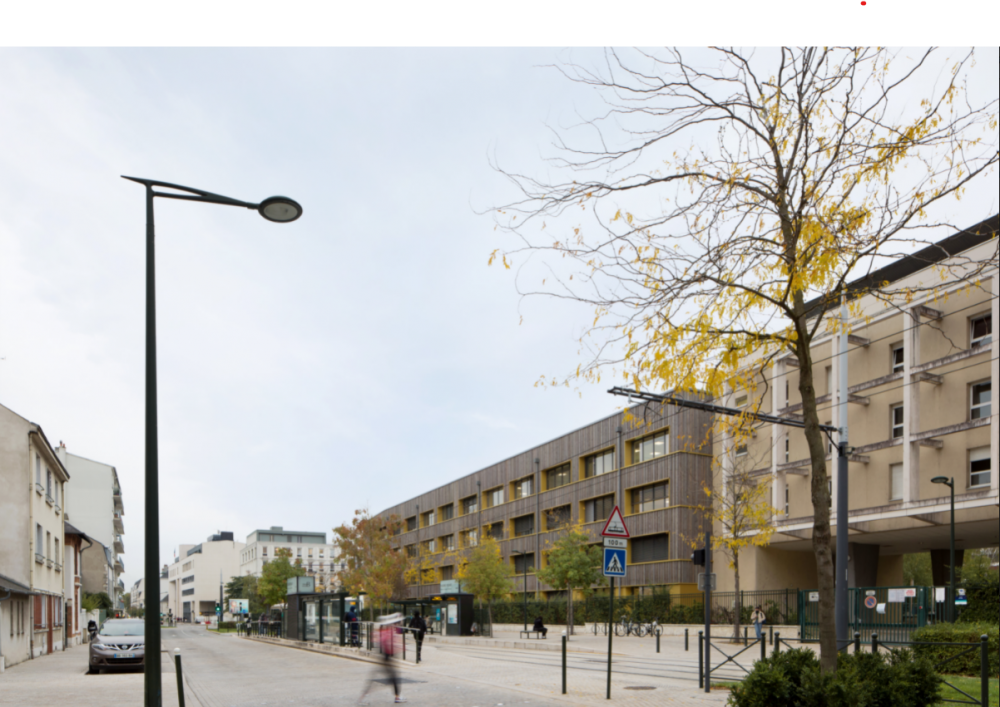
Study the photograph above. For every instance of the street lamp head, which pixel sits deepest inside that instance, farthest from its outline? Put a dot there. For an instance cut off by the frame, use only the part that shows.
(280, 209)
(941, 480)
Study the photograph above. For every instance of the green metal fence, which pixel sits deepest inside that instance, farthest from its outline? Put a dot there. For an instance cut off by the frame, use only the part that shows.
(891, 612)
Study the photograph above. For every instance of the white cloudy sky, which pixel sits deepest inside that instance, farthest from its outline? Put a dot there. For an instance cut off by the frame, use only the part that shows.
(358, 356)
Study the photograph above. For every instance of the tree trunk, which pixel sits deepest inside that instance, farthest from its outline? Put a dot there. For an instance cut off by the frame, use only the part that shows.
(821, 506)
(737, 615)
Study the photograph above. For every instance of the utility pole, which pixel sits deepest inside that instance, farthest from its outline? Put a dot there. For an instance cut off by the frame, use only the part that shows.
(840, 605)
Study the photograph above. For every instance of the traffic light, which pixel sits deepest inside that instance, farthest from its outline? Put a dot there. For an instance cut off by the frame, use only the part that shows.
(218, 609)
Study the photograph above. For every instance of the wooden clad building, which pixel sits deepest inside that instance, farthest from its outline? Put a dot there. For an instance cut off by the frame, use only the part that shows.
(661, 458)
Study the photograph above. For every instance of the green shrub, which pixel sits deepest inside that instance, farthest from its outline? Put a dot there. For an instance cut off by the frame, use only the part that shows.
(984, 605)
(793, 679)
(969, 664)
(227, 624)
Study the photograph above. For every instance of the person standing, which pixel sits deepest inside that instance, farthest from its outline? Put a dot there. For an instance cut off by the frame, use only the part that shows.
(351, 617)
(758, 619)
(419, 627)
(387, 626)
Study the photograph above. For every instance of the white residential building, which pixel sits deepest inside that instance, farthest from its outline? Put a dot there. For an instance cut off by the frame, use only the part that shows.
(95, 506)
(309, 549)
(32, 495)
(194, 578)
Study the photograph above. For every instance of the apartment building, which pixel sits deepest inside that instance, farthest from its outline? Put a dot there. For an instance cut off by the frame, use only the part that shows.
(920, 377)
(32, 495)
(73, 577)
(655, 467)
(96, 507)
(194, 578)
(308, 548)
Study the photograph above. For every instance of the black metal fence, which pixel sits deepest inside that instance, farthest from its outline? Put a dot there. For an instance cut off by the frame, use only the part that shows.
(266, 629)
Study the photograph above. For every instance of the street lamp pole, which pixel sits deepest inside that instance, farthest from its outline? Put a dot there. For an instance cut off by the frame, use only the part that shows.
(950, 483)
(279, 209)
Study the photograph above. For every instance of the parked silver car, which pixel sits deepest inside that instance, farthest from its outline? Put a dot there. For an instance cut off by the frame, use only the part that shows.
(120, 643)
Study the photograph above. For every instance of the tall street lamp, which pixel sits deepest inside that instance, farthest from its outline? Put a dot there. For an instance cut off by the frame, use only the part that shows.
(950, 483)
(279, 209)
(524, 569)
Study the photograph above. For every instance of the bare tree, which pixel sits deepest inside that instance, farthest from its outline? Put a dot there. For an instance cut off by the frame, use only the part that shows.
(714, 213)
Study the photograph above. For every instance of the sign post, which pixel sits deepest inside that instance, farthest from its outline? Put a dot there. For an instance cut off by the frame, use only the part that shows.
(616, 537)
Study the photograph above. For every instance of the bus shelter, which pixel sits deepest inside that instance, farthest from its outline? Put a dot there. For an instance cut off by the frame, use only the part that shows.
(318, 618)
(446, 614)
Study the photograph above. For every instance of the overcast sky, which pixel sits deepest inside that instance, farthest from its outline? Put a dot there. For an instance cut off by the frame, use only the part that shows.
(359, 356)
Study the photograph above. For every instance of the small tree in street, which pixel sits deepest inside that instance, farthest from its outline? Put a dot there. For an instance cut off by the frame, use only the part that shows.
(373, 566)
(484, 573)
(572, 564)
(245, 587)
(273, 582)
(739, 508)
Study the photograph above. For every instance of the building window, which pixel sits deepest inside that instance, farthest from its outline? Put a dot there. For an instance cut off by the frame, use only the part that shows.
(522, 488)
(430, 547)
(786, 501)
(470, 505)
(897, 421)
(56, 555)
(39, 540)
(495, 531)
(448, 543)
(786, 450)
(447, 512)
(411, 550)
(980, 406)
(48, 482)
(38, 470)
(897, 358)
(896, 482)
(187, 580)
(263, 551)
(979, 467)
(655, 445)
(598, 464)
(741, 400)
(469, 538)
(650, 548)
(557, 517)
(187, 592)
(560, 476)
(524, 563)
(427, 519)
(411, 524)
(981, 330)
(447, 573)
(599, 508)
(493, 497)
(650, 498)
(741, 450)
(525, 525)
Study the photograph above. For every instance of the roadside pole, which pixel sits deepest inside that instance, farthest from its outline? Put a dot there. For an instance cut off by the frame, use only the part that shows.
(615, 536)
(611, 632)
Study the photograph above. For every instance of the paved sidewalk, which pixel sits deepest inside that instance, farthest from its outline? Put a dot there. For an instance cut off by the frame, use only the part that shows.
(61, 679)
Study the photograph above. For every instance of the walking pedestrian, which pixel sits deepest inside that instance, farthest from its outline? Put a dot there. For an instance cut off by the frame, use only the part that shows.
(758, 619)
(351, 617)
(419, 627)
(387, 631)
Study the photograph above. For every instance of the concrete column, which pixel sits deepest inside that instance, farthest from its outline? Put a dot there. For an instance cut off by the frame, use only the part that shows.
(911, 406)
(779, 434)
(995, 377)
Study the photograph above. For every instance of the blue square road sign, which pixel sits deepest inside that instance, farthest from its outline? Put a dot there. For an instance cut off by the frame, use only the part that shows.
(614, 562)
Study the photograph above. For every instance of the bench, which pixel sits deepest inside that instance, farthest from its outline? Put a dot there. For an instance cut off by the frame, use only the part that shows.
(538, 634)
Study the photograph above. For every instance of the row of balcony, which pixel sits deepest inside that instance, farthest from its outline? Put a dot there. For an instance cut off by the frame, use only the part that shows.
(51, 564)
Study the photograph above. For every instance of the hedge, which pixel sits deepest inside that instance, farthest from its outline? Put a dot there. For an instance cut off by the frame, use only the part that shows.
(793, 679)
(984, 604)
(595, 610)
(969, 664)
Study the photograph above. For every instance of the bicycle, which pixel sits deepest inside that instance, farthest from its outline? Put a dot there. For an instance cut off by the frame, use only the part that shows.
(627, 627)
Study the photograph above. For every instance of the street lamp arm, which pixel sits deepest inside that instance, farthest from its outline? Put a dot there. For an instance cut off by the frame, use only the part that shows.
(192, 195)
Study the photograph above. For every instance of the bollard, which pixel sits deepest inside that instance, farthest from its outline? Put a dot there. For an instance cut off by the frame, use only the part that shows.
(770, 634)
(701, 660)
(685, 640)
(745, 643)
(874, 643)
(763, 648)
(657, 641)
(564, 661)
(777, 642)
(404, 645)
(857, 642)
(180, 676)
(985, 667)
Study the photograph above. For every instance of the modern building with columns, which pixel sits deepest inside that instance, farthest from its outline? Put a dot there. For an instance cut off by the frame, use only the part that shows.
(920, 376)
(654, 465)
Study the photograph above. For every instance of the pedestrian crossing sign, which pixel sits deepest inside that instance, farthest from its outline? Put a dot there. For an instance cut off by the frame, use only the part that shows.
(614, 562)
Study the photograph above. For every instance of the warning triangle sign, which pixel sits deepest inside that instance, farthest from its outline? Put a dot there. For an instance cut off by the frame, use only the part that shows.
(615, 527)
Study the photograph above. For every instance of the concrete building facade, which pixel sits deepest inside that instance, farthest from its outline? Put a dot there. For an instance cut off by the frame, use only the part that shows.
(194, 578)
(96, 507)
(654, 466)
(308, 548)
(920, 376)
